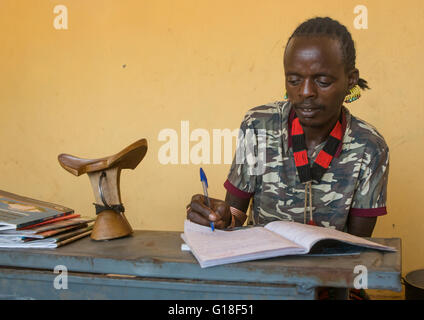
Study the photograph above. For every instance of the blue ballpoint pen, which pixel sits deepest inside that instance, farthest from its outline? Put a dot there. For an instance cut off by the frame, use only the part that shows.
(205, 192)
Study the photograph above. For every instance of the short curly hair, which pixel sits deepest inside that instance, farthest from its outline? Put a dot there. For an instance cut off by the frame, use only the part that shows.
(325, 26)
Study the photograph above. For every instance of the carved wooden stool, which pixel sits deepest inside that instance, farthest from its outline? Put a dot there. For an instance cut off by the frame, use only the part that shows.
(104, 176)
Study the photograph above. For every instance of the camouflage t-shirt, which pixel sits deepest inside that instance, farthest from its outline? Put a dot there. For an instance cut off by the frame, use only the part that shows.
(264, 167)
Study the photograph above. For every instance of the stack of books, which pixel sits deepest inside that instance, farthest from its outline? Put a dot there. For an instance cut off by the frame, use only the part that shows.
(30, 223)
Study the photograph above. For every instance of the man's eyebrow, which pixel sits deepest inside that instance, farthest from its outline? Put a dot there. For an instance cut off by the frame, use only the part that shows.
(292, 74)
(319, 74)
(323, 74)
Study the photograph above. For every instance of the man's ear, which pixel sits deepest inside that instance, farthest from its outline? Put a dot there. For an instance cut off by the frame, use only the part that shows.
(353, 78)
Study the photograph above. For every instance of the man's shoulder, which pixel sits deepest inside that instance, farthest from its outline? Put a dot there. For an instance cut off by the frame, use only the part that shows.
(266, 114)
(365, 135)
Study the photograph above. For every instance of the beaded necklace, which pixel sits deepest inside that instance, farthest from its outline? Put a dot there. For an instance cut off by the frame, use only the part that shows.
(306, 172)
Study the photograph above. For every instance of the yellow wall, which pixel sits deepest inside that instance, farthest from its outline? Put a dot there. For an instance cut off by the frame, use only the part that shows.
(203, 61)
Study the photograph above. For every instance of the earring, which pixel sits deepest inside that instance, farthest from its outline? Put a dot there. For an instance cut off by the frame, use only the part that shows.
(354, 94)
(286, 96)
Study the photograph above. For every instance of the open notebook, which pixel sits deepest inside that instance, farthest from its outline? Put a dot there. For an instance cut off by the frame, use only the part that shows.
(278, 238)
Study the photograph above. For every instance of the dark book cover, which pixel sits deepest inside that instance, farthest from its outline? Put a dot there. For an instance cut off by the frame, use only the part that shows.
(17, 211)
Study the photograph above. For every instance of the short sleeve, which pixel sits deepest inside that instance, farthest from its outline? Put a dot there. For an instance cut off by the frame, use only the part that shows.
(370, 195)
(241, 180)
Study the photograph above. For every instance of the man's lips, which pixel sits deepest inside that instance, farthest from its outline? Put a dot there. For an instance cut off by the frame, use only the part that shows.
(308, 111)
(307, 106)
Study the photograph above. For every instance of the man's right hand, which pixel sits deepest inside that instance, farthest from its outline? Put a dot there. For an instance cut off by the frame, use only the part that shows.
(219, 213)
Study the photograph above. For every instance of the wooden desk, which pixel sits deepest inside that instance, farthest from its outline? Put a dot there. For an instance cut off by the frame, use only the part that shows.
(151, 265)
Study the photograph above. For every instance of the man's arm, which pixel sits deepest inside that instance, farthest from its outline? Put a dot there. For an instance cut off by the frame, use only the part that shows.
(370, 196)
(361, 226)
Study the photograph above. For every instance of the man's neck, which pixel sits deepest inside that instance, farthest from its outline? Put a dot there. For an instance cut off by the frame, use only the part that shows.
(317, 135)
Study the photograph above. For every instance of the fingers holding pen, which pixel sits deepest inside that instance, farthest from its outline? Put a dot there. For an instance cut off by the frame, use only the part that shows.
(196, 217)
(205, 211)
(199, 212)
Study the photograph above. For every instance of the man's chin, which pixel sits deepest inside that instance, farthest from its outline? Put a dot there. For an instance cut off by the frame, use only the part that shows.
(310, 122)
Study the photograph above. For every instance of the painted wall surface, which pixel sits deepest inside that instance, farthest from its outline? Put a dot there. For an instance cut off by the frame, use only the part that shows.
(125, 70)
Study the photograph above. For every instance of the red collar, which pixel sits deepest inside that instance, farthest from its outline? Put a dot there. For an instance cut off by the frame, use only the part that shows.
(292, 116)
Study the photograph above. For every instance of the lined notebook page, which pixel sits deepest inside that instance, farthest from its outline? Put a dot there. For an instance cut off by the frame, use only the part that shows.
(307, 235)
(238, 245)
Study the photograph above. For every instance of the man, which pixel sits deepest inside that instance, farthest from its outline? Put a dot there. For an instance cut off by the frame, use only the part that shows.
(322, 165)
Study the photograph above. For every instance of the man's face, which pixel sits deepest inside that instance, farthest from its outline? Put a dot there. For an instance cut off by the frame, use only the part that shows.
(316, 81)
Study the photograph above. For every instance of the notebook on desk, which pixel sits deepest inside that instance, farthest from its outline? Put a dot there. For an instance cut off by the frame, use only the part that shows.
(278, 238)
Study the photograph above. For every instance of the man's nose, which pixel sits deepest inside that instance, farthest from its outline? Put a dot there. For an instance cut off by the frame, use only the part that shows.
(308, 89)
